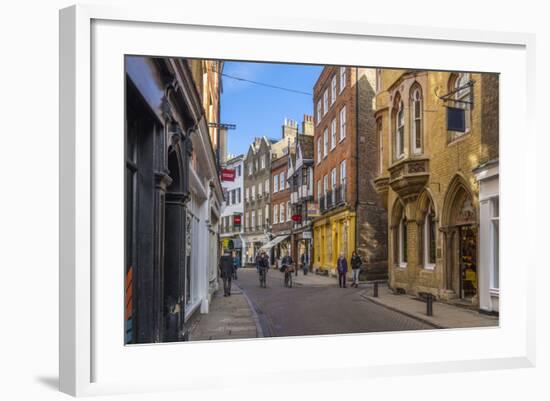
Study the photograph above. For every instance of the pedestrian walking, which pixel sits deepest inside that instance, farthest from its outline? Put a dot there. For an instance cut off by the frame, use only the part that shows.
(226, 272)
(304, 263)
(355, 268)
(342, 266)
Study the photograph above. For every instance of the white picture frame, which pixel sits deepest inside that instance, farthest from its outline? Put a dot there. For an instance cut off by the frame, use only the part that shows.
(86, 365)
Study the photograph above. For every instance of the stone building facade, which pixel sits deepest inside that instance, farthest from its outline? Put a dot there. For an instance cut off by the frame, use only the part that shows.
(427, 178)
(173, 196)
(351, 215)
(257, 197)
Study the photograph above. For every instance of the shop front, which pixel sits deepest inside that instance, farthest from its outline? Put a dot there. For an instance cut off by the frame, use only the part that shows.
(333, 235)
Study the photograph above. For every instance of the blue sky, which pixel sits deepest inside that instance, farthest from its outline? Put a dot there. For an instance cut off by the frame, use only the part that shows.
(259, 110)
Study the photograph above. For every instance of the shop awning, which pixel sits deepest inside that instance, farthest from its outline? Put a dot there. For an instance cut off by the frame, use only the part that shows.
(274, 242)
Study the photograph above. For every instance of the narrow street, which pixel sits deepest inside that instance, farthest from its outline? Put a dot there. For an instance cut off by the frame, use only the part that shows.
(316, 309)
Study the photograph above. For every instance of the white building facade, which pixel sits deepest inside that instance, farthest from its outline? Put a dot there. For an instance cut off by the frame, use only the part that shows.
(489, 288)
(231, 223)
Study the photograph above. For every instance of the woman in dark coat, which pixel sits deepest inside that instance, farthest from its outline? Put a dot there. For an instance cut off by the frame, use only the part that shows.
(342, 266)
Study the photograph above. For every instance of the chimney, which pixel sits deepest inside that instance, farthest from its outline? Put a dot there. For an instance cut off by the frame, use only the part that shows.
(307, 125)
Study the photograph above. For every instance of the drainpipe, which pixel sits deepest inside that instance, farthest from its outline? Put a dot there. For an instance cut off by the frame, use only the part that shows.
(356, 157)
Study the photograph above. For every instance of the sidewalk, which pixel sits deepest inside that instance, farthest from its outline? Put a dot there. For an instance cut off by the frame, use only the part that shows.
(229, 318)
(444, 316)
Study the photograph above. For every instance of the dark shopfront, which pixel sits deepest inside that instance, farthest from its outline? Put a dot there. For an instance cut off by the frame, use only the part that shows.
(158, 149)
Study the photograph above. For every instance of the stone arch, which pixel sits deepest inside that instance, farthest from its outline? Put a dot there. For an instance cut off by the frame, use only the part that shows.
(457, 192)
(425, 204)
(458, 221)
(398, 214)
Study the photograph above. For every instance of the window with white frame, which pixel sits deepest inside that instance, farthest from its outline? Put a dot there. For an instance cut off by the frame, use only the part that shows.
(319, 156)
(288, 211)
(325, 142)
(399, 131)
(250, 168)
(282, 213)
(318, 111)
(343, 123)
(402, 241)
(333, 184)
(266, 215)
(246, 194)
(275, 214)
(325, 184)
(342, 78)
(263, 161)
(253, 219)
(253, 194)
(333, 90)
(246, 220)
(256, 164)
(282, 178)
(238, 195)
(430, 232)
(259, 190)
(495, 216)
(416, 120)
(319, 189)
(260, 217)
(266, 186)
(380, 132)
(343, 173)
(325, 102)
(333, 134)
(276, 183)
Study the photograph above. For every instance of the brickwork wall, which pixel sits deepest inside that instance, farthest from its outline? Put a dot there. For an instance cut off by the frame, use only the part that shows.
(449, 162)
(280, 197)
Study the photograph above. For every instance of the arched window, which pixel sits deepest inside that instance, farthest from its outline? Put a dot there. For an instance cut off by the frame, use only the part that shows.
(416, 120)
(402, 240)
(430, 239)
(399, 134)
(461, 88)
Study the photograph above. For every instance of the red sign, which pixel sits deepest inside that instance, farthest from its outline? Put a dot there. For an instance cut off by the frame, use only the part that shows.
(228, 174)
(237, 220)
(297, 217)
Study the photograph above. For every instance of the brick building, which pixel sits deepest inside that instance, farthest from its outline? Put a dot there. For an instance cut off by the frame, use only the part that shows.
(438, 136)
(300, 175)
(351, 215)
(280, 206)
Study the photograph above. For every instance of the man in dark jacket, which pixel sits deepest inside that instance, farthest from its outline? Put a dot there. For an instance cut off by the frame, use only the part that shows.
(355, 268)
(226, 272)
(342, 266)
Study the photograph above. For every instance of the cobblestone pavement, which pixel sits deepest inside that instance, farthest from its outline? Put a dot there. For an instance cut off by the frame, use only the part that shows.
(311, 309)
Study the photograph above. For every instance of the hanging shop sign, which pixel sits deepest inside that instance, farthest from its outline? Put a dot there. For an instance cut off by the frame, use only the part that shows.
(297, 218)
(306, 235)
(456, 119)
(228, 174)
(236, 219)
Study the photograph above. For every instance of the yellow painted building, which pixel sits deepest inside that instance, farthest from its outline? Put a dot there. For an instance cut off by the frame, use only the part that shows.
(333, 234)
